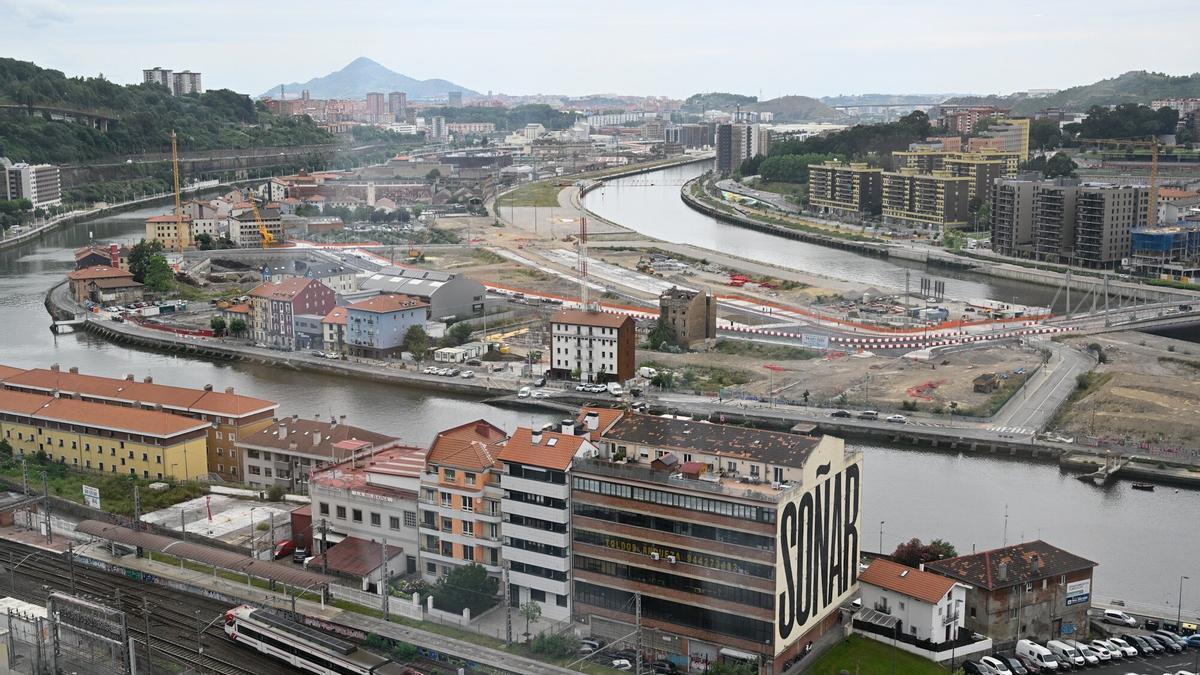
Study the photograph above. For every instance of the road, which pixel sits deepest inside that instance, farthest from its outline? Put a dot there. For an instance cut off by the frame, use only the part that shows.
(773, 198)
(1040, 398)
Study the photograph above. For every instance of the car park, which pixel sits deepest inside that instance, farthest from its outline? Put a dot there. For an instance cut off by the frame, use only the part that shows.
(1126, 649)
(1144, 646)
(1091, 656)
(1167, 643)
(1172, 636)
(1119, 618)
(1014, 665)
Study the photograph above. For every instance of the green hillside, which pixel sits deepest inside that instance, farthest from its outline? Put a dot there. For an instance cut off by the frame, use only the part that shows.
(799, 109)
(1136, 86)
(146, 114)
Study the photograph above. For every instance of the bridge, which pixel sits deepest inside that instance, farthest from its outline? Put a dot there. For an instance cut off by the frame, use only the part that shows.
(92, 118)
(922, 104)
(72, 324)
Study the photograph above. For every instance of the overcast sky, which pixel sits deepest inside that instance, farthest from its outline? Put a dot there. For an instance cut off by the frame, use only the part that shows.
(663, 47)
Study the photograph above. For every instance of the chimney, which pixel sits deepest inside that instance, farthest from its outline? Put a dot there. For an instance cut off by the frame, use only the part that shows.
(228, 390)
(208, 387)
(74, 370)
(341, 419)
(316, 438)
(568, 427)
(54, 367)
(295, 418)
(535, 436)
(592, 421)
(283, 430)
(292, 446)
(129, 377)
(1034, 563)
(148, 380)
(1002, 572)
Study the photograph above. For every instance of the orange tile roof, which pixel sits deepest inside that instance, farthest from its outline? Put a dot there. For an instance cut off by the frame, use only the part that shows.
(9, 371)
(924, 586)
(604, 319)
(337, 315)
(1175, 193)
(239, 309)
(72, 411)
(466, 446)
(287, 289)
(22, 403)
(607, 418)
(553, 451)
(170, 218)
(385, 304)
(98, 272)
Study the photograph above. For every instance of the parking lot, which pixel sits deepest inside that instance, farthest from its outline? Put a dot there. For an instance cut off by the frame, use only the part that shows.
(1169, 663)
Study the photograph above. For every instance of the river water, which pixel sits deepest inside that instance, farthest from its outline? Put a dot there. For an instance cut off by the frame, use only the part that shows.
(1141, 541)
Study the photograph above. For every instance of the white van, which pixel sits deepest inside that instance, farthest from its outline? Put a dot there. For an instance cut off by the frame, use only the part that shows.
(1066, 653)
(614, 389)
(1037, 654)
(524, 392)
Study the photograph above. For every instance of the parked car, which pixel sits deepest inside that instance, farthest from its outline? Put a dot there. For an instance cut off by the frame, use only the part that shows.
(1172, 636)
(1065, 652)
(1151, 624)
(540, 382)
(1106, 647)
(1119, 618)
(994, 666)
(663, 666)
(467, 374)
(897, 419)
(1193, 640)
(1145, 645)
(1093, 657)
(1014, 664)
(300, 554)
(840, 413)
(581, 387)
(1128, 650)
(1167, 643)
(973, 668)
(524, 392)
(871, 415)
(622, 664)
(284, 548)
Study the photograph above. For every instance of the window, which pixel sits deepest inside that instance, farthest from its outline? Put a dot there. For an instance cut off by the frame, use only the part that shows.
(448, 475)
(323, 508)
(341, 512)
(560, 600)
(447, 525)
(255, 471)
(376, 519)
(410, 519)
(537, 595)
(446, 500)
(468, 503)
(219, 436)
(267, 473)
(145, 457)
(430, 568)
(469, 553)
(231, 436)
(356, 515)
(470, 478)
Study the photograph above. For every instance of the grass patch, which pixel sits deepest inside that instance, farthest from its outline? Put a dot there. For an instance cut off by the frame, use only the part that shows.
(487, 257)
(859, 655)
(116, 491)
(702, 379)
(544, 193)
(1194, 365)
(1171, 283)
(765, 351)
(781, 188)
(1085, 385)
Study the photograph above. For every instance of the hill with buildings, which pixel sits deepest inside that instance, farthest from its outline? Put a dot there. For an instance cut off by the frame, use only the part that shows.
(1136, 86)
(139, 118)
(363, 75)
(799, 109)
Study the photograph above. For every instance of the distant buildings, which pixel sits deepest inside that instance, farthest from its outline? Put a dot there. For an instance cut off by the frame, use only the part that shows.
(104, 285)
(41, 184)
(398, 104)
(274, 306)
(174, 233)
(592, 346)
(375, 105)
(690, 136)
(471, 127)
(690, 316)
(962, 119)
(179, 83)
(739, 142)
(1184, 106)
(1010, 135)
(454, 99)
(244, 227)
(375, 327)
(929, 201)
(837, 188)
(437, 128)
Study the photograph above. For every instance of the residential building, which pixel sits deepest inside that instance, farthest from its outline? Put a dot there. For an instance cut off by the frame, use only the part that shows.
(739, 142)
(454, 99)
(175, 233)
(471, 127)
(962, 119)
(921, 160)
(41, 184)
(376, 495)
(437, 128)
(1054, 219)
(451, 297)
(103, 438)
(244, 227)
(274, 304)
(1012, 134)
(333, 327)
(690, 316)
(982, 172)
(654, 130)
(924, 159)
(376, 105)
(929, 201)
(339, 278)
(1184, 106)
(837, 188)
(1012, 222)
(460, 501)
(928, 606)
(398, 104)
(227, 416)
(375, 327)
(92, 255)
(1031, 590)
(161, 76)
(536, 483)
(690, 136)
(104, 285)
(186, 82)
(287, 451)
(1089, 224)
(592, 346)
(700, 526)
(308, 331)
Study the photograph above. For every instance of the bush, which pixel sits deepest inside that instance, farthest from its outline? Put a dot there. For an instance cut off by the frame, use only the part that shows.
(275, 493)
(909, 405)
(554, 646)
(466, 586)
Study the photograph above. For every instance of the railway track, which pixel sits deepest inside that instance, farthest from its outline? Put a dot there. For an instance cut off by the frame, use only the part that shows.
(175, 615)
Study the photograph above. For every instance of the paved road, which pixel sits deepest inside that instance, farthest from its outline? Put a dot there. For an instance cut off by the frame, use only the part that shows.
(773, 198)
(1036, 403)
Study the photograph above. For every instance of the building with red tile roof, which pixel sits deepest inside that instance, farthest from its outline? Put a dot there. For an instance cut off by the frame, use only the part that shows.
(376, 327)
(592, 346)
(275, 305)
(926, 606)
(80, 280)
(333, 330)
(285, 452)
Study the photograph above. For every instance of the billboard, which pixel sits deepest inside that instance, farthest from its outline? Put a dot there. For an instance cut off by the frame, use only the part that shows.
(1079, 592)
(814, 341)
(817, 541)
(91, 496)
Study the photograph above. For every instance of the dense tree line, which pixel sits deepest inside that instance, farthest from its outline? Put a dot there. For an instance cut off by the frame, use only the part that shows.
(508, 119)
(863, 140)
(785, 168)
(717, 100)
(1128, 120)
(147, 113)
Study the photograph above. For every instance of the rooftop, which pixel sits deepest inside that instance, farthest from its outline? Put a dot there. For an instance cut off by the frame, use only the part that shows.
(314, 437)
(287, 289)
(387, 303)
(1011, 565)
(601, 319)
(355, 557)
(98, 272)
(398, 460)
(167, 218)
(115, 282)
(71, 411)
(914, 583)
(467, 446)
(773, 447)
(337, 315)
(552, 450)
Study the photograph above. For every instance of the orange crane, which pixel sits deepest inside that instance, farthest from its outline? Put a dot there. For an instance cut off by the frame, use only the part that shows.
(182, 235)
(1141, 142)
(267, 237)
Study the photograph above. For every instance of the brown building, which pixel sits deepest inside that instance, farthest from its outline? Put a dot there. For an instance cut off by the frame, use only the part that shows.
(834, 187)
(92, 255)
(697, 525)
(286, 452)
(592, 346)
(229, 415)
(275, 305)
(690, 316)
(93, 284)
(1031, 590)
(929, 201)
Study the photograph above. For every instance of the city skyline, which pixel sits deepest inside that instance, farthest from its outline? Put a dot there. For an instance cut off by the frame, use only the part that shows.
(648, 49)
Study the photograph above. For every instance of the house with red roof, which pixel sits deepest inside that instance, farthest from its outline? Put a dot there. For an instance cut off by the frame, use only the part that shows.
(275, 305)
(592, 346)
(923, 605)
(104, 285)
(375, 327)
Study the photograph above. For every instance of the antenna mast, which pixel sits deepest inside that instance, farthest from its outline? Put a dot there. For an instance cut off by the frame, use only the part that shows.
(180, 235)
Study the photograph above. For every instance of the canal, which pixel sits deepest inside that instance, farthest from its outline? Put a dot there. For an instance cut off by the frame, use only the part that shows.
(1139, 539)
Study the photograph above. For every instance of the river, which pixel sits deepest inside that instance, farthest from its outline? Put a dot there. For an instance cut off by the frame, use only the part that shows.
(1139, 539)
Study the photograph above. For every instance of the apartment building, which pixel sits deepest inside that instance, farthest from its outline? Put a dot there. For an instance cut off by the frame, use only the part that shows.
(460, 501)
(701, 527)
(1012, 223)
(333, 330)
(376, 104)
(285, 452)
(454, 99)
(962, 119)
(536, 480)
(837, 188)
(398, 104)
(592, 346)
(244, 227)
(1054, 219)
(1012, 135)
(375, 327)
(471, 127)
(103, 438)
(929, 160)
(1105, 218)
(690, 316)
(928, 201)
(739, 142)
(371, 498)
(982, 172)
(1087, 224)
(690, 136)
(186, 82)
(41, 184)
(339, 278)
(227, 416)
(156, 75)
(175, 233)
(274, 306)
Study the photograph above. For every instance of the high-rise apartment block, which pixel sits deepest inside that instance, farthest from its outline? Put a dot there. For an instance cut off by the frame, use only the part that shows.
(962, 119)
(837, 188)
(375, 105)
(158, 75)
(454, 99)
(690, 136)
(982, 172)
(922, 158)
(738, 142)
(41, 184)
(925, 200)
(398, 104)
(1012, 216)
(1011, 135)
(179, 83)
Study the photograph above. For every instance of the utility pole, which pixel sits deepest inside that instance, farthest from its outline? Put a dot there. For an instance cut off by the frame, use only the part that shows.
(637, 644)
(24, 475)
(149, 649)
(383, 576)
(507, 605)
(1068, 283)
(46, 507)
(71, 563)
(324, 548)
(137, 525)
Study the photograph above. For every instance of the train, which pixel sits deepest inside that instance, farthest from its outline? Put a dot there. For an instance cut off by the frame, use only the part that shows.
(304, 648)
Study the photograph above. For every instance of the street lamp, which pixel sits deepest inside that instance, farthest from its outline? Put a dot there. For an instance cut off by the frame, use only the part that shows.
(1179, 608)
(12, 569)
(200, 631)
(881, 537)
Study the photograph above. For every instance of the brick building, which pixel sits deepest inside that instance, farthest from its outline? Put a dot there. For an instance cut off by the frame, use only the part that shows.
(690, 316)
(274, 306)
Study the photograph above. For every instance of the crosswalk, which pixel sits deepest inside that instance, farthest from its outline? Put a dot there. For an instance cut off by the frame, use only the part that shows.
(1020, 431)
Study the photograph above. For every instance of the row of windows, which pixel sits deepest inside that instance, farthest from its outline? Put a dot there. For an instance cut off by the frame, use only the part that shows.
(683, 555)
(674, 582)
(681, 528)
(539, 500)
(356, 515)
(536, 523)
(683, 501)
(537, 571)
(677, 613)
(300, 652)
(537, 473)
(535, 547)
(47, 427)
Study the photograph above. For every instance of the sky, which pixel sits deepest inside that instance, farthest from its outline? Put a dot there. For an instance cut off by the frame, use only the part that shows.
(643, 47)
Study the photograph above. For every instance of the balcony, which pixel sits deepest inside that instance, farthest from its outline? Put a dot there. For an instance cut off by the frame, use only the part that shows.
(560, 539)
(542, 560)
(533, 487)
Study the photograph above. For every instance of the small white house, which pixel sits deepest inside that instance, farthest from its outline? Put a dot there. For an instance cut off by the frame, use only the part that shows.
(461, 353)
(928, 606)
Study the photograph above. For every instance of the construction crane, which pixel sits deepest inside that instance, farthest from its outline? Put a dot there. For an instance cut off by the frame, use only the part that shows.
(267, 237)
(182, 235)
(1154, 144)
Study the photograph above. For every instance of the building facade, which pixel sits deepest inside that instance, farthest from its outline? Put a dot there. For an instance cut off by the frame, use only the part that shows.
(928, 201)
(834, 187)
(41, 184)
(274, 306)
(375, 327)
(186, 82)
(1012, 217)
(398, 104)
(592, 346)
(451, 297)
(174, 233)
(161, 76)
(287, 451)
(928, 606)
(738, 142)
(690, 316)
(244, 228)
(333, 327)
(91, 284)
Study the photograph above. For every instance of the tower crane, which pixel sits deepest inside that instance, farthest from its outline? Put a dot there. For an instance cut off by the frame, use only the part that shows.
(182, 235)
(1154, 144)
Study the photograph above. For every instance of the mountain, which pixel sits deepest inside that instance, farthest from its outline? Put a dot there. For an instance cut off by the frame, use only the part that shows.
(363, 75)
(799, 109)
(886, 99)
(1136, 86)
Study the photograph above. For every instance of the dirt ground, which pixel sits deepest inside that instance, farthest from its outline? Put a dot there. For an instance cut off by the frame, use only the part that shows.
(875, 381)
(1152, 393)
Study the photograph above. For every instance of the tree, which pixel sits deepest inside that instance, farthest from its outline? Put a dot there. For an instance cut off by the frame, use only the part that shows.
(466, 586)
(158, 277)
(913, 553)
(458, 334)
(1045, 134)
(659, 335)
(237, 327)
(416, 341)
(5, 450)
(530, 611)
(218, 325)
(983, 217)
(139, 258)
(1060, 165)
(433, 176)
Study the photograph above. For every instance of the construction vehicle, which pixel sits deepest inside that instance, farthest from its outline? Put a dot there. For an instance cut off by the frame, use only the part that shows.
(267, 238)
(1154, 144)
